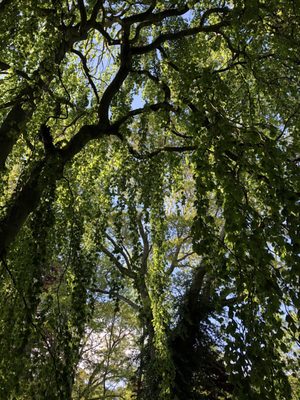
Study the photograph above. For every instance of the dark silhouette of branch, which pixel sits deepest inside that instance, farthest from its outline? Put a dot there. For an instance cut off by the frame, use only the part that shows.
(119, 296)
(179, 35)
(124, 271)
(87, 72)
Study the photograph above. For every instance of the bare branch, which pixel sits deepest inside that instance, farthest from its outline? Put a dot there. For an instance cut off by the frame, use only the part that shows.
(214, 10)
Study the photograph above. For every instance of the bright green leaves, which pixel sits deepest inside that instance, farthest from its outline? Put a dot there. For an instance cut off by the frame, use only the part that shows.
(24, 279)
(158, 281)
(202, 127)
(243, 178)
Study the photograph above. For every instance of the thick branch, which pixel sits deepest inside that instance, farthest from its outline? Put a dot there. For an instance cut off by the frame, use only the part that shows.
(17, 118)
(44, 174)
(124, 271)
(179, 35)
(116, 83)
(140, 17)
(154, 19)
(10, 131)
(85, 134)
(100, 28)
(95, 11)
(82, 11)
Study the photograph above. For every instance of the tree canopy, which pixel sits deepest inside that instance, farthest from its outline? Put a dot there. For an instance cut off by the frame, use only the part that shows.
(149, 220)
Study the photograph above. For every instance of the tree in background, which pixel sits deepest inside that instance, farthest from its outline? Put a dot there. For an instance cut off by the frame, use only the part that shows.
(149, 156)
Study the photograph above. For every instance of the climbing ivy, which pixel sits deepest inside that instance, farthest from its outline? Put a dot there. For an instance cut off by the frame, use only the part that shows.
(149, 199)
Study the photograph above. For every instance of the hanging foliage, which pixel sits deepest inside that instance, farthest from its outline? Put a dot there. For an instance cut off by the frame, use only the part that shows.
(149, 199)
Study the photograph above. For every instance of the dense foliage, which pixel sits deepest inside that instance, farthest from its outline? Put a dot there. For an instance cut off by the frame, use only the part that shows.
(149, 221)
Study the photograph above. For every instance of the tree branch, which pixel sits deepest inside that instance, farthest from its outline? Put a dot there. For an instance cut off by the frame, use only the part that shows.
(147, 108)
(10, 130)
(26, 199)
(119, 296)
(151, 19)
(168, 149)
(116, 83)
(124, 271)
(17, 118)
(178, 35)
(85, 134)
(120, 250)
(100, 28)
(146, 247)
(156, 80)
(82, 11)
(87, 72)
(95, 11)
(5, 67)
(140, 17)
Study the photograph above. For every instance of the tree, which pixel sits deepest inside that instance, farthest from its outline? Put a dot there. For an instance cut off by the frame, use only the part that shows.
(135, 138)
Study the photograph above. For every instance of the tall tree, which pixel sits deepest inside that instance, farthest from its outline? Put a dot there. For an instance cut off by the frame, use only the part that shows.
(137, 137)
